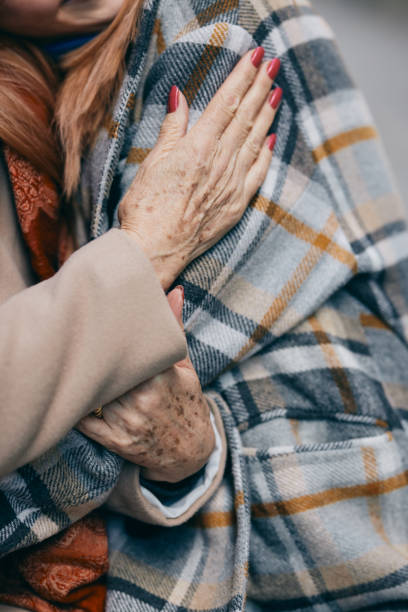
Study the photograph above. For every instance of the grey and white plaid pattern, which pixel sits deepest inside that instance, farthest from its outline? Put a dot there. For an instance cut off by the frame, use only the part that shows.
(297, 325)
(44, 497)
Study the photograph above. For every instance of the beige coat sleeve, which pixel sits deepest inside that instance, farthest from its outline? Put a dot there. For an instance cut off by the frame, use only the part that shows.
(96, 329)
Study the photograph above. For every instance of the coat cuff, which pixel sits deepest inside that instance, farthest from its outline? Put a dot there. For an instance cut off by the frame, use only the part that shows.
(132, 498)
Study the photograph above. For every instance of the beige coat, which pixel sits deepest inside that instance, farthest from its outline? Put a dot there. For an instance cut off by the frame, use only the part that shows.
(95, 330)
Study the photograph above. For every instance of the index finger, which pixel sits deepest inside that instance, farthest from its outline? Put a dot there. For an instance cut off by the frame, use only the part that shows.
(226, 101)
(94, 428)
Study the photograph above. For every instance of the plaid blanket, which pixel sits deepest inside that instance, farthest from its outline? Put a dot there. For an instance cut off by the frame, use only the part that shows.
(44, 497)
(297, 325)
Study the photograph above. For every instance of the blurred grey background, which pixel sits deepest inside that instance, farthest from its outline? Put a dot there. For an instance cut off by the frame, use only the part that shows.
(373, 37)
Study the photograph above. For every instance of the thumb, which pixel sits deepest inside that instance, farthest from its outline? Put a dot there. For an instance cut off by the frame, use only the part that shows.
(175, 123)
(176, 300)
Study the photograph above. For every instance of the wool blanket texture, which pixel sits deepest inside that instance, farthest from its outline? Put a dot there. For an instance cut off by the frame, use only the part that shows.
(297, 323)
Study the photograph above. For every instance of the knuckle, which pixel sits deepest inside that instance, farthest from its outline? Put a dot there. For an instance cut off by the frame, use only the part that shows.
(253, 147)
(142, 395)
(229, 102)
(245, 120)
(201, 156)
(169, 128)
(208, 143)
(128, 421)
(132, 421)
(123, 439)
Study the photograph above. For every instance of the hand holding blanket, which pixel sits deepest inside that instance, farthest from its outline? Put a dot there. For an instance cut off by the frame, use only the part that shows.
(164, 424)
(207, 175)
(297, 320)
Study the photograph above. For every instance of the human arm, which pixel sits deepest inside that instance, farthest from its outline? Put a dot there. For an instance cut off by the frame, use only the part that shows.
(78, 340)
(166, 430)
(207, 174)
(78, 475)
(196, 220)
(241, 204)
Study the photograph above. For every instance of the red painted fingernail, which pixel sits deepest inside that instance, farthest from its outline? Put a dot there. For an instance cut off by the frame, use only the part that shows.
(273, 68)
(275, 97)
(271, 142)
(257, 56)
(181, 289)
(173, 101)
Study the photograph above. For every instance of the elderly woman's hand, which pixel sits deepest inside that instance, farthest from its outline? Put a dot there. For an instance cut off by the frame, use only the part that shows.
(194, 187)
(163, 424)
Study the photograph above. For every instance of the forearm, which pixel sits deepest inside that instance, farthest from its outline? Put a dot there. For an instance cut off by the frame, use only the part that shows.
(99, 327)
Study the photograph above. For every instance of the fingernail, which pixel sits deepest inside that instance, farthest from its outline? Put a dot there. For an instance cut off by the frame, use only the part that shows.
(257, 56)
(275, 97)
(173, 100)
(181, 289)
(273, 68)
(271, 142)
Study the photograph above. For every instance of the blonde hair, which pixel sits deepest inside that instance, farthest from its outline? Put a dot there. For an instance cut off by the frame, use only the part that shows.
(51, 116)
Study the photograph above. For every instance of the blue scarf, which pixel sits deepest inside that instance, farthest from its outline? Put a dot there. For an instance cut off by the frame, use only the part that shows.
(57, 48)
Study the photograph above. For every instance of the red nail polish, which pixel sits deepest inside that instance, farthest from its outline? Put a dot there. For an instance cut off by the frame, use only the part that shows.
(275, 97)
(181, 289)
(173, 101)
(273, 68)
(271, 142)
(257, 56)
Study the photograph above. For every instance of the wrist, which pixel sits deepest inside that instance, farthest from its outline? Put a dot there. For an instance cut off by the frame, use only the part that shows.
(166, 267)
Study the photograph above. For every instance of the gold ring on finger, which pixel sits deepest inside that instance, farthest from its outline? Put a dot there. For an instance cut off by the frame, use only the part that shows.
(99, 412)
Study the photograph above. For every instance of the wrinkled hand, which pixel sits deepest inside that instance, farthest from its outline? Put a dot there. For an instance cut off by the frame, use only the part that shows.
(195, 186)
(163, 424)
